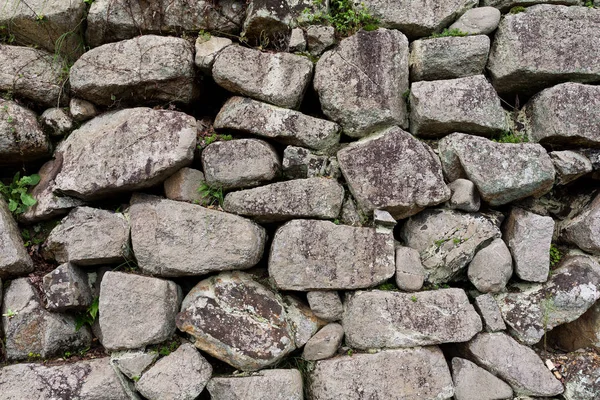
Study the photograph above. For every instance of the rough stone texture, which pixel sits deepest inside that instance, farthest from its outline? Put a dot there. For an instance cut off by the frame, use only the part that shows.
(56, 121)
(447, 240)
(181, 375)
(277, 78)
(387, 319)
(125, 150)
(478, 21)
(424, 373)
(579, 334)
(582, 230)
(545, 45)
(297, 41)
(383, 219)
(237, 320)
(393, 171)
(207, 50)
(502, 172)
(147, 69)
(570, 165)
(448, 57)
(491, 268)
(360, 83)
(316, 255)
(133, 363)
(280, 384)
(326, 305)
(410, 273)
(83, 380)
(516, 364)
(490, 313)
(567, 114)
(21, 136)
(530, 310)
(240, 163)
(272, 19)
(529, 236)
(201, 240)
(300, 163)
(474, 383)
(506, 5)
(114, 20)
(135, 311)
(468, 105)
(350, 214)
(33, 74)
(319, 38)
(325, 343)
(582, 376)
(82, 110)
(302, 319)
(67, 288)
(14, 259)
(89, 236)
(280, 124)
(183, 185)
(31, 330)
(464, 196)
(318, 198)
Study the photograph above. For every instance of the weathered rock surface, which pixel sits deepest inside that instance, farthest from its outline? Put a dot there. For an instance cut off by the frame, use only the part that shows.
(502, 172)
(569, 37)
(464, 196)
(468, 104)
(67, 288)
(582, 376)
(325, 343)
(277, 78)
(135, 311)
(582, 230)
(506, 5)
(237, 320)
(319, 38)
(326, 305)
(82, 110)
(272, 19)
(424, 372)
(447, 240)
(570, 165)
(183, 185)
(297, 42)
(474, 383)
(300, 163)
(579, 334)
(394, 172)
(410, 273)
(280, 124)
(56, 121)
(491, 316)
(478, 21)
(491, 267)
(387, 319)
(133, 363)
(14, 259)
(302, 319)
(448, 57)
(147, 69)
(201, 241)
(207, 50)
(360, 83)
(280, 384)
(21, 136)
(125, 150)
(316, 255)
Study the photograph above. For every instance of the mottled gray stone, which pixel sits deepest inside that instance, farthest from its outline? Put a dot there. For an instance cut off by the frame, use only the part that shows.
(172, 238)
(582, 230)
(393, 171)
(491, 267)
(297, 41)
(468, 104)
(448, 57)
(319, 38)
(277, 78)
(570, 165)
(350, 214)
(21, 136)
(464, 196)
(475, 383)
(315, 255)
(280, 384)
(207, 51)
(326, 305)
(579, 334)
(582, 376)
(56, 121)
(82, 110)
(506, 5)
(133, 363)
(325, 343)
(410, 273)
(424, 373)
(478, 21)
(383, 219)
(183, 185)
(125, 150)
(272, 19)
(360, 83)
(302, 319)
(67, 288)
(280, 124)
(490, 313)
(300, 163)
(14, 258)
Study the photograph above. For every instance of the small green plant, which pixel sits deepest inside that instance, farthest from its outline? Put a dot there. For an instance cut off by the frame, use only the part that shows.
(215, 137)
(413, 298)
(166, 348)
(517, 9)
(135, 378)
(205, 36)
(439, 243)
(16, 194)
(88, 316)
(336, 221)
(9, 313)
(345, 18)
(350, 352)
(548, 307)
(447, 33)
(40, 18)
(387, 286)
(306, 54)
(590, 4)
(555, 255)
(34, 356)
(213, 195)
(510, 137)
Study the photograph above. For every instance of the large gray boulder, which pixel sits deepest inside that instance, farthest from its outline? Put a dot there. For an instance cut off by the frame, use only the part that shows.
(21, 136)
(14, 258)
(67, 288)
(272, 19)
(506, 5)
(279, 384)
(582, 230)
(280, 124)
(125, 150)
(360, 83)
(570, 165)
(172, 238)
(315, 255)
(529, 49)
(478, 21)
(277, 78)
(147, 69)
(207, 47)
(469, 105)
(447, 240)
(393, 171)
(475, 383)
(375, 376)
(491, 268)
(502, 172)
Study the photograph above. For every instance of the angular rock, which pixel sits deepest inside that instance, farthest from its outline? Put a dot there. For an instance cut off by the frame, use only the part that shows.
(325, 343)
(516, 62)
(360, 83)
(448, 57)
(582, 376)
(135, 311)
(270, 20)
(491, 267)
(464, 196)
(319, 255)
(410, 273)
(183, 185)
(318, 198)
(326, 305)
(506, 5)
(302, 319)
(490, 313)
(280, 124)
(387, 319)
(297, 41)
(280, 384)
(148, 69)
(514, 363)
(474, 383)
(237, 320)
(570, 165)
(57, 121)
(478, 21)
(424, 373)
(82, 110)
(579, 334)
(530, 310)
(383, 220)
(502, 172)
(125, 150)
(393, 171)
(319, 38)
(240, 163)
(21, 136)
(14, 258)
(133, 363)
(182, 374)
(172, 238)
(300, 163)
(67, 288)
(582, 230)
(31, 331)
(350, 214)
(277, 78)
(447, 240)
(207, 51)
(469, 105)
